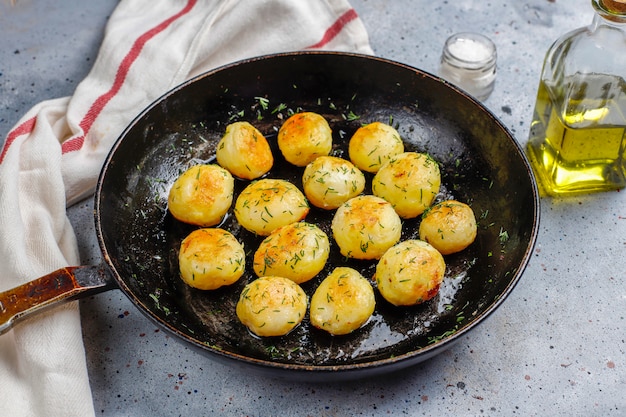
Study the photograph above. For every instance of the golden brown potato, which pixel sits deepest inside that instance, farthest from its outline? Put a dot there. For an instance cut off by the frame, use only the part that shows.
(297, 251)
(201, 195)
(410, 273)
(329, 182)
(303, 137)
(374, 144)
(450, 226)
(409, 181)
(271, 306)
(343, 302)
(211, 258)
(364, 227)
(267, 204)
(244, 151)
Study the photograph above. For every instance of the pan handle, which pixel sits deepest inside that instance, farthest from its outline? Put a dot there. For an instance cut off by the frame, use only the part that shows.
(62, 285)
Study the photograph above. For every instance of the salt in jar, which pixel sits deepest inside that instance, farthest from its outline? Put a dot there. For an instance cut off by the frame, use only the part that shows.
(469, 61)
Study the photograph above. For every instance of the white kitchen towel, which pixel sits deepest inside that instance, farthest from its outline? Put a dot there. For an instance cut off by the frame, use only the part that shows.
(53, 156)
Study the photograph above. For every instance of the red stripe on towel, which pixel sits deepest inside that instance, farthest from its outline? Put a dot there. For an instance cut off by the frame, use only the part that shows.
(336, 27)
(96, 108)
(23, 129)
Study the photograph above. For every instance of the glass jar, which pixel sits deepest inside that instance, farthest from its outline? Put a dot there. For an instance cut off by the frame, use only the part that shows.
(468, 60)
(577, 135)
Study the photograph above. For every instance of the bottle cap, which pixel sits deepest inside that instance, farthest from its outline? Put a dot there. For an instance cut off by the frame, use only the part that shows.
(616, 6)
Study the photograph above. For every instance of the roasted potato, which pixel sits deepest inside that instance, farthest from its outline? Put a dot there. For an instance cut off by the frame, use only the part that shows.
(210, 258)
(365, 226)
(410, 273)
(328, 182)
(410, 181)
(303, 137)
(267, 204)
(343, 302)
(297, 251)
(374, 144)
(449, 226)
(201, 195)
(271, 306)
(244, 151)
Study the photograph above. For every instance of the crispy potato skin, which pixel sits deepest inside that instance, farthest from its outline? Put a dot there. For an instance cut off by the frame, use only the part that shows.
(365, 226)
(210, 258)
(303, 137)
(449, 226)
(244, 151)
(374, 144)
(343, 302)
(271, 306)
(267, 204)
(410, 273)
(410, 181)
(297, 251)
(201, 195)
(330, 181)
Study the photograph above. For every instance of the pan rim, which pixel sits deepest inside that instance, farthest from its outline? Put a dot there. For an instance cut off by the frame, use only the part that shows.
(376, 366)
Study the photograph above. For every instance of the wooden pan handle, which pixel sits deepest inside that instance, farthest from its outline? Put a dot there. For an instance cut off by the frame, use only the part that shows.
(62, 285)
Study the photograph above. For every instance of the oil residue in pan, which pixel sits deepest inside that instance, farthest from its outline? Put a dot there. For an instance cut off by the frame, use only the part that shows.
(389, 327)
(481, 165)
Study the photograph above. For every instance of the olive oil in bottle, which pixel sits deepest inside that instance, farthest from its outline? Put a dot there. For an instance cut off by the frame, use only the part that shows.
(577, 136)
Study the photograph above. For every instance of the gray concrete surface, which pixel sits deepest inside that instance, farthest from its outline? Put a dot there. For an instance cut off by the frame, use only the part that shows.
(557, 345)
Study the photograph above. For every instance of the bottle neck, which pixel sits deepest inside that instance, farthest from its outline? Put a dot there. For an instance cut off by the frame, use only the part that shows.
(610, 12)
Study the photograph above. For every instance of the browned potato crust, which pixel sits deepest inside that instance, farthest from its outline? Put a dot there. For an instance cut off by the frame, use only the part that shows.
(271, 306)
(330, 181)
(211, 258)
(450, 226)
(267, 204)
(244, 151)
(374, 144)
(201, 195)
(410, 273)
(303, 137)
(343, 302)
(297, 251)
(364, 227)
(410, 181)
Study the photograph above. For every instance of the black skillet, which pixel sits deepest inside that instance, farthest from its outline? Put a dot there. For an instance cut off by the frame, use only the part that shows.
(481, 165)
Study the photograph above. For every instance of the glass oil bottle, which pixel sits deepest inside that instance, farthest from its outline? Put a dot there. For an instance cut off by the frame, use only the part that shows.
(577, 136)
